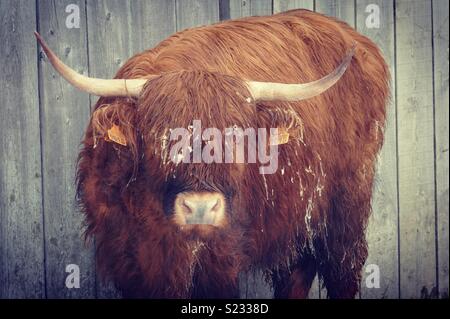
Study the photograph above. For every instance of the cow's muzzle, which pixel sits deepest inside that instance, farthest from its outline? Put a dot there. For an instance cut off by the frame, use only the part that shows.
(200, 208)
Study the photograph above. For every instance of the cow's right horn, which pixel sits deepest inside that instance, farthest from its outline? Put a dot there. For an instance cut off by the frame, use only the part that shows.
(270, 91)
(100, 87)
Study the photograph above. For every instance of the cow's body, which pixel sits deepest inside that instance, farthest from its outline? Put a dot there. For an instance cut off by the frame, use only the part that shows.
(308, 217)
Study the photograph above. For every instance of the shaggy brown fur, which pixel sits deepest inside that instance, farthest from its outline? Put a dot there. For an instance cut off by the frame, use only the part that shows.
(307, 218)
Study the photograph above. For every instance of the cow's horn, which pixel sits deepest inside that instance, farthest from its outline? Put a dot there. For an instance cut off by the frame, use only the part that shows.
(269, 91)
(100, 87)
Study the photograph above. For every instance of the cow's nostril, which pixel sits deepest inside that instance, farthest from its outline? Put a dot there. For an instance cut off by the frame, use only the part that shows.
(216, 205)
(200, 208)
(188, 207)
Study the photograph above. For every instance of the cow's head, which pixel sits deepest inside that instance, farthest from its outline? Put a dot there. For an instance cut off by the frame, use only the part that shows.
(194, 195)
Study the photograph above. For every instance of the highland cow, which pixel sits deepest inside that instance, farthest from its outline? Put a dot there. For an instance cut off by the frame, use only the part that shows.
(186, 230)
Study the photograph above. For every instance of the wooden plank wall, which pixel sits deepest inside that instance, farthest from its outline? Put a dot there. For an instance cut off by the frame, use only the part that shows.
(22, 270)
(42, 125)
(416, 180)
(441, 116)
(383, 225)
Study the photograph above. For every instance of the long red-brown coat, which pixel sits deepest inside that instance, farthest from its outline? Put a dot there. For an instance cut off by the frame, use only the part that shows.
(308, 217)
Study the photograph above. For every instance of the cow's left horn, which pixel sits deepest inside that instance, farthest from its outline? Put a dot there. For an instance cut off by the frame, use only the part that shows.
(270, 91)
(100, 87)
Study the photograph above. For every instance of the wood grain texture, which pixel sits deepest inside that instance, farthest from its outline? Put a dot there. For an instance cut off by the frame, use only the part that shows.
(252, 284)
(116, 31)
(280, 6)
(260, 7)
(316, 290)
(342, 9)
(40, 227)
(415, 149)
(345, 11)
(152, 22)
(285, 5)
(22, 272)
(119, 29)
(110, 27)
(64, 117)
(110, 44)
(383, 224)
(191, 13)
(245, 8)
(441, 110)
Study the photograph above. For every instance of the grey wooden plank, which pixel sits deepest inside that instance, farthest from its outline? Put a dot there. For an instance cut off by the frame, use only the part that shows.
(192, 13)
(260, 7)
(315, 291)
(382, 231)
(119, 29)
(245, 8)
(132, 26)
(116, 31)
(441, 107)
(151, 22)
(109, 36)
(342, 9)
(281, 6)
(110, 45)
(415, 149)
(285, 5)
(240, 8)
(21, 227)
(224, 10)
(65, 114)
(252, 284)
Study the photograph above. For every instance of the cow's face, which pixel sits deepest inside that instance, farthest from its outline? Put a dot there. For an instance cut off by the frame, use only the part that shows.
(174, 114)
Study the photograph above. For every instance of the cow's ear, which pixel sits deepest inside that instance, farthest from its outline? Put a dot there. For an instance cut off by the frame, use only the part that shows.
(285, 119)
(115, 123)
(279, 136)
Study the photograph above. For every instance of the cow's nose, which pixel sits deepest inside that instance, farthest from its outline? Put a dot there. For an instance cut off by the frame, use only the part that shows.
(200, 208)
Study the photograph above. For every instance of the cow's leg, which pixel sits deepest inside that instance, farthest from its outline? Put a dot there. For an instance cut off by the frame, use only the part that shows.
(344, 254)
(342, 277)
(294, 284)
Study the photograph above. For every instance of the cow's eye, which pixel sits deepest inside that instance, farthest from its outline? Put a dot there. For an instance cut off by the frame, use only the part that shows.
(229, 193)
